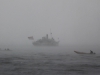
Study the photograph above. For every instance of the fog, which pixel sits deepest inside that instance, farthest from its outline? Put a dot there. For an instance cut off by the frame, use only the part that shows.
(75, 22)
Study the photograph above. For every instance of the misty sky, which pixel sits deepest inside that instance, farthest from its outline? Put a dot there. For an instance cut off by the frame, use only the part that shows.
(72, 21)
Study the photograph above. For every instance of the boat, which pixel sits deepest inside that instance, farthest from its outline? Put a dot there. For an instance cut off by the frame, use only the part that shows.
(46, 41)
(82, 52)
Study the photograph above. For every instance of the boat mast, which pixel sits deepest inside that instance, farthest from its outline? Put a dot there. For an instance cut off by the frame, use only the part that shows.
(58, 39)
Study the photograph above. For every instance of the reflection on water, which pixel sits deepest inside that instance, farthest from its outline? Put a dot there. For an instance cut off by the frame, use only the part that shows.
(48, 64)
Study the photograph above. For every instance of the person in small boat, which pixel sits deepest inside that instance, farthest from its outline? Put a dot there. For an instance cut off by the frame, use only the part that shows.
(91, 52)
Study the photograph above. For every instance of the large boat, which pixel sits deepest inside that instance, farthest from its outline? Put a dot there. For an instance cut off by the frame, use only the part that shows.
(45, 41)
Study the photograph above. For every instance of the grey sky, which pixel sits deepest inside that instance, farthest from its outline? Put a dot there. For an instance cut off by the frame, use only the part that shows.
(73, 21)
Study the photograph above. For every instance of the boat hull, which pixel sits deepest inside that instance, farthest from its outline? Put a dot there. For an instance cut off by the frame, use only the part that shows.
(45, 44)
(82, 52)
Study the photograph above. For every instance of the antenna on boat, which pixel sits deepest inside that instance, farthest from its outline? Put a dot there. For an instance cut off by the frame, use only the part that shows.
(50, 33)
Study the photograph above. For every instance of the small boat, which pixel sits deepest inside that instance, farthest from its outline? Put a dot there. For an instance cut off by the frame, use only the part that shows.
(82, 52)
(7, 49)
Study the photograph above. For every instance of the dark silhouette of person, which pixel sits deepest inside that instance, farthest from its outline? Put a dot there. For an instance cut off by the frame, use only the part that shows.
(91, 52)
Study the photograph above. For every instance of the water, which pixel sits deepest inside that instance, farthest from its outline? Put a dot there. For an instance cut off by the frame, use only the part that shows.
(53, 62)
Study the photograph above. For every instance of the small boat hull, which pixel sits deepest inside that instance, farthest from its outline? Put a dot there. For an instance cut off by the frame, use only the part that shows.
(82, 52)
